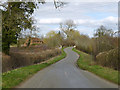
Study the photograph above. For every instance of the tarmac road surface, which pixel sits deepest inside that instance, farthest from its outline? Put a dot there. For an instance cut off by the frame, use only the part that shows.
(66, 74)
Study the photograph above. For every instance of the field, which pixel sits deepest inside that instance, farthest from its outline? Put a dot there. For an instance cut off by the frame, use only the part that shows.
(20, 57)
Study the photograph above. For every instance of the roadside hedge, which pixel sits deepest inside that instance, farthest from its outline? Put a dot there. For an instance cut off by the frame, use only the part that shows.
(21, 59)
(108, 59)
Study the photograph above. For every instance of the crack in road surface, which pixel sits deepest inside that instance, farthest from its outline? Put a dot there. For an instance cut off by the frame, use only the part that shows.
(65, 74)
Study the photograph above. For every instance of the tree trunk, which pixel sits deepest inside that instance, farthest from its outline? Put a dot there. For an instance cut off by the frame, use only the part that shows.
(6, 47)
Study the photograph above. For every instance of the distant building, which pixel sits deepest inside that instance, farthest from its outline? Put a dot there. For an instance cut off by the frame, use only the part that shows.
(33, 41)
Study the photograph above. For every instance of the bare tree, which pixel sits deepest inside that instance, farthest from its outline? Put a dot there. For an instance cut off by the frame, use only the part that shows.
(67, 26)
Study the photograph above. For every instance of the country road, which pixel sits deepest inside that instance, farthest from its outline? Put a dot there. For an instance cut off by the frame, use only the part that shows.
(66, 74)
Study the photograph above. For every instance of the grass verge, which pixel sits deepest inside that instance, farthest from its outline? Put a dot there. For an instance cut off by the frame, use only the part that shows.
(85, 62)
(12, 78)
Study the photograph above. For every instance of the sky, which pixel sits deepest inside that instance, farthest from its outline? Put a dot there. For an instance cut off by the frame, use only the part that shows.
(88, 16)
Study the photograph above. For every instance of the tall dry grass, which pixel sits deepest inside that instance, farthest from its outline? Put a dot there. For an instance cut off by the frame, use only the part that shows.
(24, 58)
(6, 63)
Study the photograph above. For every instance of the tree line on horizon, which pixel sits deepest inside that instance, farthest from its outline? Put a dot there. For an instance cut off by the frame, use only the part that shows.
(17, 17)
(103, 46)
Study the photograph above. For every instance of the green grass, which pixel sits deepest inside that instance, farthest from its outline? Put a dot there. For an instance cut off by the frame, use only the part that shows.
(85, 62)
(12, 78)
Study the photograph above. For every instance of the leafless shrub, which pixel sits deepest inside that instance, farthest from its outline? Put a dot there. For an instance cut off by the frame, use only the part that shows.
(20, 59)
(108, 59)
(6, 63)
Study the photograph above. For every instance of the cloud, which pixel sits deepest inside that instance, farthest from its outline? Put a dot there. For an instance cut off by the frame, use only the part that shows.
(87, 15)
(85, 0)
(111, 21)
(76, 10)
(50, 21)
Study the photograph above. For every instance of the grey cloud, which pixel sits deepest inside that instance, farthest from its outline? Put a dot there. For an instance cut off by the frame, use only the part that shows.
(80, 12)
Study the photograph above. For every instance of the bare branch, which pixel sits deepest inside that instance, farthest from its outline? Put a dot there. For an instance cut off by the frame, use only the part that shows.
(59, 4)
